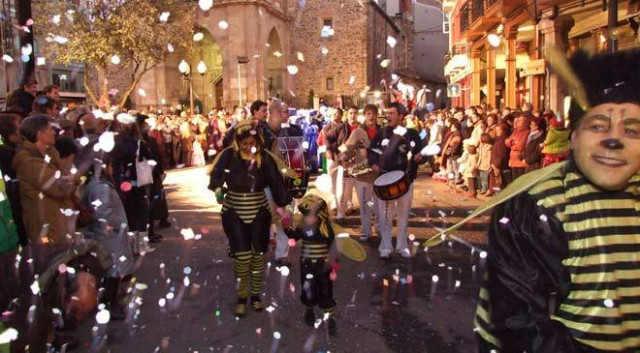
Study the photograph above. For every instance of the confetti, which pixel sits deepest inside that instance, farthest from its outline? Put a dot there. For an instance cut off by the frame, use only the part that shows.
(277, 335)
(608, 303)
(198, 37)
(504, 220)
(543, 218)
(56, 19)
(292, 69)
(392, 41)
(35, 287)
(205, 5)
(115, 60)
(170, 48)
(300, 56)
(483, 254)
(125, 186)
(142, 92)
(164, 17)
(103, 317)
(324, 50)
(384, 63)
(284, 271)
(435, 278)
(223, 25)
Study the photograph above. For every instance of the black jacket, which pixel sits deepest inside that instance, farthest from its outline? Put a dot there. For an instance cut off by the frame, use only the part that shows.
(389, 151)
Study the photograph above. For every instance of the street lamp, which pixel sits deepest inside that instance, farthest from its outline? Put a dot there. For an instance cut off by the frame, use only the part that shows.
(185, 70)
(202, 69)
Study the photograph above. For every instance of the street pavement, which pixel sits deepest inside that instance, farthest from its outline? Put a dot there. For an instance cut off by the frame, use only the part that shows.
(425, 304)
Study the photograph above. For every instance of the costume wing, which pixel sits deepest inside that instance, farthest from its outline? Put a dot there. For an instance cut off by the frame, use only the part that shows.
(282, 166)
(215, 161)
(521, 184)
(350, 248)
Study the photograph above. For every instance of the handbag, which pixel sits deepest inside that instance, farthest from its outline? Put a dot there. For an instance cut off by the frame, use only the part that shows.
(144, 171)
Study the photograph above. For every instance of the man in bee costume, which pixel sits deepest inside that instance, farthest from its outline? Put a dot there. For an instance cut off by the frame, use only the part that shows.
(319, 257)
(239, 177)
(563, 269)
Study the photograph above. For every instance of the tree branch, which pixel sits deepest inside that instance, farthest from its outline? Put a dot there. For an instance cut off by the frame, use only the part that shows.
(136, 79)
(91, 94)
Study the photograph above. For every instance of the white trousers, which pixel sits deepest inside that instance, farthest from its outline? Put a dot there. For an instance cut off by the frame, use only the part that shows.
(346, 199)
(364, 191)
(282, 241)
(336, 172)
(387, 211)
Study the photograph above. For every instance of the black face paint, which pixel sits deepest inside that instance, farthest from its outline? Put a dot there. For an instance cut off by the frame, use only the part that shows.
(612, 144)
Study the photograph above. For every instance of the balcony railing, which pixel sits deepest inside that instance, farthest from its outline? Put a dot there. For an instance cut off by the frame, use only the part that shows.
(464, 17)
(477, 10)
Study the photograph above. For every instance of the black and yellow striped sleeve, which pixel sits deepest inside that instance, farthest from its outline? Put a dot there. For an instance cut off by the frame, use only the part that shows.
(524, 271)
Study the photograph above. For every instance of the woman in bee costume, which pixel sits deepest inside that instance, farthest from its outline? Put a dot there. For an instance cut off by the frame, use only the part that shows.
(563, 270)
(239, 176)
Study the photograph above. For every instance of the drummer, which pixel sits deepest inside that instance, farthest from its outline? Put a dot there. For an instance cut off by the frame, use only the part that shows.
(395, 148)
(359, 142)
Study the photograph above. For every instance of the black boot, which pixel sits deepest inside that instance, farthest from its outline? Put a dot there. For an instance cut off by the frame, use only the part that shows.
(309, 317)
(117, 310)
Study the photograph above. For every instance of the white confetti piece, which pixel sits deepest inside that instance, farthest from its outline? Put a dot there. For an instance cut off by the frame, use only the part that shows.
(115, 60)
(504, 220)
(35, 288)
(7, 58)
(392, 41)
(103, 317)
(292, 69)
(608, 303)
(384, 63)
(223, 25)
(543, 218)
(198, 37)
(205, 5)
(164, 17)
(435, 278)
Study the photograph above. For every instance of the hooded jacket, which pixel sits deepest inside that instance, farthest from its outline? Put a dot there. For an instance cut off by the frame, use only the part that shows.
(45, 192)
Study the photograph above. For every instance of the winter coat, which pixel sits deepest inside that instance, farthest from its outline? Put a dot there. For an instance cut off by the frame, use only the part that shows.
(45, 192)
(110, 226)
(468, 165)
(500, 153)
(557, 141)
(517, 142)
(484, 160)
(533, 152)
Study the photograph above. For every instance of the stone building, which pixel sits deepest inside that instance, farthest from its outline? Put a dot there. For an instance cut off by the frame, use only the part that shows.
(252, 49)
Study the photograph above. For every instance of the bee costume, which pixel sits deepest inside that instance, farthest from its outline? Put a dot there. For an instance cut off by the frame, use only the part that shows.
(562, 271)
(239, 181)
(318, 252)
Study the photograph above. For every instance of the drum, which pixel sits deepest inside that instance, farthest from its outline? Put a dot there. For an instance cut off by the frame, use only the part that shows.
(292, 153)
(391, 185)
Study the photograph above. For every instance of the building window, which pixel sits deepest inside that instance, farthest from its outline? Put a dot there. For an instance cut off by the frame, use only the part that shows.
(329, 83)
(68, 81)
(327, 28)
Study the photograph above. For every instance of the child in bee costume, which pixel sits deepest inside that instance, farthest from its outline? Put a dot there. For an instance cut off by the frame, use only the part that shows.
(319, 258)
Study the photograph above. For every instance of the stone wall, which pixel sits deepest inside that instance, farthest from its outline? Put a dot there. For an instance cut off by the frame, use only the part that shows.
(347, 49)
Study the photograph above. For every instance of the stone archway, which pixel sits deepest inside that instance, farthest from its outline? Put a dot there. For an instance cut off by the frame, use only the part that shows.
(208, 87)
(275, 66)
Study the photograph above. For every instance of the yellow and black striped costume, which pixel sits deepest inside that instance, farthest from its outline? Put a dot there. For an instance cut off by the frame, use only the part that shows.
(318, 249)
(246, 217)
(246, 205)
(563, 273)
